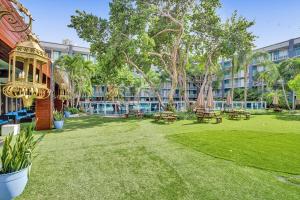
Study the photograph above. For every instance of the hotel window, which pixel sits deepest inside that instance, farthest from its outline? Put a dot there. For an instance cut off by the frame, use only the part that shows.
(276, 55)
(92, 59)
(56, 54)
(85, 57)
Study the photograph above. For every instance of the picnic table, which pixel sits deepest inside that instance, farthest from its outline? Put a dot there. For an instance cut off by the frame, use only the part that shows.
(238, 114)
(277, 109)
(135, 113)
(166, 116)
(204, 115)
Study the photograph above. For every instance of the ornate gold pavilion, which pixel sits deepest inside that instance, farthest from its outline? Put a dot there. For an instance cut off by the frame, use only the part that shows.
(28, 84)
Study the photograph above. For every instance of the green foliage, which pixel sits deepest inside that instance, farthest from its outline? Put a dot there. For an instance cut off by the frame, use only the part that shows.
(73, 110)
(18, 156)
(57, 115)
(174, 36)
(189, 115)
(80, 73)
(253, 94)
(269, 98)
(294, 84)
(170, 107)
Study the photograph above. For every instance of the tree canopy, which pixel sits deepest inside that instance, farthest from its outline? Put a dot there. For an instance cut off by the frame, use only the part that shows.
(157, 38)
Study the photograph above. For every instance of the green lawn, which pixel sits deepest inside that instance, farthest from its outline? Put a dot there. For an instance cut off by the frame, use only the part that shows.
(96, 158)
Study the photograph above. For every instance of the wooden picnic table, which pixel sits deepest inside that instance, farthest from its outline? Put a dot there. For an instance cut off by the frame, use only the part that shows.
(203, 115)
(136, 113)
(166, 116)
(237, 114)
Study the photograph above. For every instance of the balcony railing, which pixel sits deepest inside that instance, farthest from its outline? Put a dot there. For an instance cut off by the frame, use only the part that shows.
(277, 58)
(296, 52)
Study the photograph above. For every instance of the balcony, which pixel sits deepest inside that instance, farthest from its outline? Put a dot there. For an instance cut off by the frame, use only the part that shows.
(278, 58)
(98, 94)
(296, 52)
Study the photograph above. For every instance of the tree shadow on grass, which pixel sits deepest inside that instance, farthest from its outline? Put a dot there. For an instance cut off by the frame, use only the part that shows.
(194, 123)
(287, 117)
(91, 122)
(160, 122)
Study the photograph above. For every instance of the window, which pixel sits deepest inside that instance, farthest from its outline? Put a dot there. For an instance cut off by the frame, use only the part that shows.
(92, 59)
(56, 55)
(85, 57)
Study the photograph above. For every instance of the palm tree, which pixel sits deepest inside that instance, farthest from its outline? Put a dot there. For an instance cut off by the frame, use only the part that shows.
(80, 73)
(273, 76)
(244, 59)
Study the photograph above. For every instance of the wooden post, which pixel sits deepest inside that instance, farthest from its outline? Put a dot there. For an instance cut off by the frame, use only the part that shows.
(14, 69)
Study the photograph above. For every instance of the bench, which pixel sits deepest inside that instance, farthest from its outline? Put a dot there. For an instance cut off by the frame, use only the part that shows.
(21, 116)
(4, 120)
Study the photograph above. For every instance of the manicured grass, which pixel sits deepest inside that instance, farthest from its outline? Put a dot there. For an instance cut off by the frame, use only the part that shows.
(261, 149)
(96, 158)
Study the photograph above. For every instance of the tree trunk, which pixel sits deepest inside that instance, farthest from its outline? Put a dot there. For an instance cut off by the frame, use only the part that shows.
(232, 81)
(284, 94)
(174, 82)
(245, 85)
(185, 93)
(151, 84)
(78, 99)
(262, 91)
(203, 83)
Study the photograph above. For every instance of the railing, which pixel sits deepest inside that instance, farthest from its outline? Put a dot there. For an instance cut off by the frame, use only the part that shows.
(296, 52)
(120, 108)
(277, 58)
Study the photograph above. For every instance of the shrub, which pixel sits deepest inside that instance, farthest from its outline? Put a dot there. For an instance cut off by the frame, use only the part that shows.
(18, 156)
(186, 115)
(58, 116)
(74, 111)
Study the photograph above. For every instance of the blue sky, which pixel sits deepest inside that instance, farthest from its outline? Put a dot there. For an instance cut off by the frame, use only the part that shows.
(276, 20)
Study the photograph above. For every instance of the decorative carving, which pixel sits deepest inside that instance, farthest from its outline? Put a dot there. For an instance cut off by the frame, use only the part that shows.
(12, 19)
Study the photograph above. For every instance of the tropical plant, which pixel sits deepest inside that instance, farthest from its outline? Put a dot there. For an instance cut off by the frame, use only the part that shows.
(57, 115)
(161, 33)
(244, 59)
(294, 84)
(73, 110)
(279, 74)
(18, 156)
(238, 41)
(80, 73)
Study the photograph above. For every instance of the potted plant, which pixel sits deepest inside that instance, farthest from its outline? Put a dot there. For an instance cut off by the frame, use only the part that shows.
(58, 119)
(16, 162)
(67, 112)
(74, 112)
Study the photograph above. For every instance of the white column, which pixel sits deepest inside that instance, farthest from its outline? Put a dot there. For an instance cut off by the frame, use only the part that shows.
(6, 104)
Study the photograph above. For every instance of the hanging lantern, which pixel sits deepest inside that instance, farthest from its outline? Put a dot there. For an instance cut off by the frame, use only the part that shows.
(64, 92)
(27, 84)
(27, 101)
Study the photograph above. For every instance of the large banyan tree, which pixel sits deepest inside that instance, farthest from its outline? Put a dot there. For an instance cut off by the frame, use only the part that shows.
(156, 38)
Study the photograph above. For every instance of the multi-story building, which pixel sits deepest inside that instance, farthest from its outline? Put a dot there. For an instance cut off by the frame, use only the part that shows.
(55, 50)
(278, 52)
